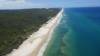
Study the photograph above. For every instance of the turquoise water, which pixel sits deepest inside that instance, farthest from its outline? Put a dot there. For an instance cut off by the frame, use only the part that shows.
(78, 33)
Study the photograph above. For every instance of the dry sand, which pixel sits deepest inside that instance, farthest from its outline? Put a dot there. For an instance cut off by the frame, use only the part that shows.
(36, 43)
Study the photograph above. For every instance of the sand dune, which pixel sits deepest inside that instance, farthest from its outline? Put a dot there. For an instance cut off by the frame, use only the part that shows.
(36, 43)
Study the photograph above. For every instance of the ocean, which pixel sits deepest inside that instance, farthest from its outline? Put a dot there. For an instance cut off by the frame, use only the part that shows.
(77, 34)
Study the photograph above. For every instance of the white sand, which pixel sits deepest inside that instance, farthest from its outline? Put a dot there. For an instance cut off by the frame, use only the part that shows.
(58, 19)
(36, 43)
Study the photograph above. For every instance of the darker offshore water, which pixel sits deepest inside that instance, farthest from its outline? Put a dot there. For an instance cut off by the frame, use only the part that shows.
(78, 33)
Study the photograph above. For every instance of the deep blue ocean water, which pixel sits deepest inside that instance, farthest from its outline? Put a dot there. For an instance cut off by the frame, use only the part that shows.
(78, 33)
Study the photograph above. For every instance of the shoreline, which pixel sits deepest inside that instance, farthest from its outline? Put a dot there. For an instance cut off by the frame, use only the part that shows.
(42, 50)
(36, 42)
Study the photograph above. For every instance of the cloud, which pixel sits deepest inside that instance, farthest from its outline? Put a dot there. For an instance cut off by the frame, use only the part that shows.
(15, 4)
(19, 4)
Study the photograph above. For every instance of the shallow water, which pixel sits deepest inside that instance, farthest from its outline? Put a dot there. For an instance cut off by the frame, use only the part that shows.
(78, 33)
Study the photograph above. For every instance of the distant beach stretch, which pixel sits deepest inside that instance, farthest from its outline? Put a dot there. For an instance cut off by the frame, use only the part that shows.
(37, 42)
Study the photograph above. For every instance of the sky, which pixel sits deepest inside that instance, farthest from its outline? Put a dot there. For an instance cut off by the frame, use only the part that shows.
(20, 4)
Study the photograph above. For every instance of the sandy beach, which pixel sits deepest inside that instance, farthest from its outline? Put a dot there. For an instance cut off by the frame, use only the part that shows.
(36, 43)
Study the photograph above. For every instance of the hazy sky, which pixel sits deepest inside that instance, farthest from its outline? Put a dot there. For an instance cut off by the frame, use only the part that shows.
(17, 4)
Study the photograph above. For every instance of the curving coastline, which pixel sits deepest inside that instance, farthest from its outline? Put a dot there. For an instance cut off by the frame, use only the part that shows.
(36, 44)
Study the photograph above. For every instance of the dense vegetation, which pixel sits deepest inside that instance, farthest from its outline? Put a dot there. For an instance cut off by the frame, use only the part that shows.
(17, 25)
